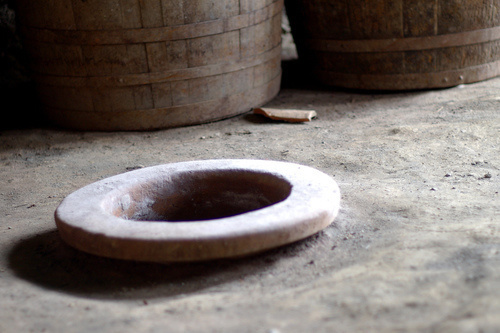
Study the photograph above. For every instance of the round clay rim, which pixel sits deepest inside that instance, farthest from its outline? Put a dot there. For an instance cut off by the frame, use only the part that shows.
(312, 205)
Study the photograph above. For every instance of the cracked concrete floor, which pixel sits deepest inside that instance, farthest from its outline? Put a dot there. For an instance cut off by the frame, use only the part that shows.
(416, 246)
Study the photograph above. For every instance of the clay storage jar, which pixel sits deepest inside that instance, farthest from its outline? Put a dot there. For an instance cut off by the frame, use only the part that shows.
(150, 64)
(397, 44)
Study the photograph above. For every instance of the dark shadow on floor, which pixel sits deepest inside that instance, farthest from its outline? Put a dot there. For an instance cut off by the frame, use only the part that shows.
(47, 261)
(296, 76)
(21, 108)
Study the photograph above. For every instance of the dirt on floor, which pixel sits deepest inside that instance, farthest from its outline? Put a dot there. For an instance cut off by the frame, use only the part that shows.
(416, 246)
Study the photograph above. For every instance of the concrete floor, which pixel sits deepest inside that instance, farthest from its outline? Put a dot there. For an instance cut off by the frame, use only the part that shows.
(416, 246)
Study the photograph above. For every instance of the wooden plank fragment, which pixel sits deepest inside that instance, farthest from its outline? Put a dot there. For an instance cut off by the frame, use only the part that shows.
(288, 115)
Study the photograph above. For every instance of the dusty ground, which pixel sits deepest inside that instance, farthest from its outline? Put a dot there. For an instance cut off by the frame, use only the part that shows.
(416, 246)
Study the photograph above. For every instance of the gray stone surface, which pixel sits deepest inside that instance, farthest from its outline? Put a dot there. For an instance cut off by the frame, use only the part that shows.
(416, 246)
